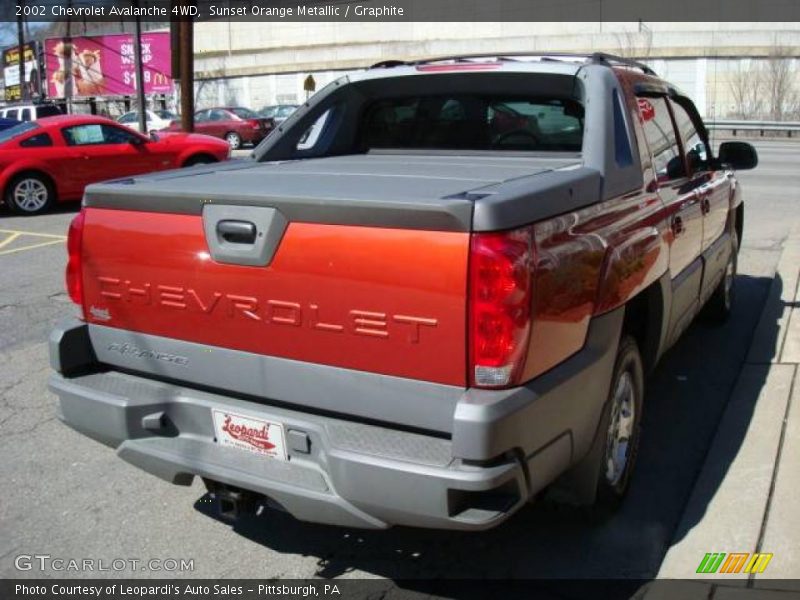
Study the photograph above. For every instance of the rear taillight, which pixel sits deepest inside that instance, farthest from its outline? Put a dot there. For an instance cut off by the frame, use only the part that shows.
(501, 282)
(74, 242)
(255, 123)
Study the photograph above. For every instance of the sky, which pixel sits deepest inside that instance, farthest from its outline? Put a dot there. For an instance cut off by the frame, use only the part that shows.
(8, 32)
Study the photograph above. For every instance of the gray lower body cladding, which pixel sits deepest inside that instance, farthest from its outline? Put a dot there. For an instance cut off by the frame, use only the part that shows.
(496, 451)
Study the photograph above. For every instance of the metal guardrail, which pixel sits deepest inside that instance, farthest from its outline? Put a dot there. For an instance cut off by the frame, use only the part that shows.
(734, 126)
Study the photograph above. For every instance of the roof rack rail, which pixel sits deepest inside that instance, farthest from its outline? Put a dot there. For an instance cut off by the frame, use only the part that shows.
(613, 59)
(598, 58)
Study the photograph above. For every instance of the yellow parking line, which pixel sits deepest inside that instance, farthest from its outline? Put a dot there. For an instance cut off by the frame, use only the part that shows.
(46, 235)
(31, 247)
(9, 239)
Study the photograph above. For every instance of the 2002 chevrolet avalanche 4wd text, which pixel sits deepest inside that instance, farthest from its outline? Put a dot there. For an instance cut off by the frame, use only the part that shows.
(434, 292)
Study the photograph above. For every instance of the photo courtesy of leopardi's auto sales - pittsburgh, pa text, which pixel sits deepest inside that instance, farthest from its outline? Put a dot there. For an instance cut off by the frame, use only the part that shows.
(177, 590)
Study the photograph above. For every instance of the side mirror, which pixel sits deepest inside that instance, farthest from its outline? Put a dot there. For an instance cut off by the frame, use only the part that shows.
(695, 160)
(738, 155)
(675, 168)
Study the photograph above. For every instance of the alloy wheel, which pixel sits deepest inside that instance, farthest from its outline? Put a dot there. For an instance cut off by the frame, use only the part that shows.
(30, 195)
(620, 429)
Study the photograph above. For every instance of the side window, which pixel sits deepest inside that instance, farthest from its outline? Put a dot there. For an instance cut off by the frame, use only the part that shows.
(12, 114)
(83, 135)
(37, 141)
(128, 118)
(310, 138)
(94, 133)
(220, 115)
(696, 151)
(660, 135)
(26, 115)
(116, 135)
(202, 116)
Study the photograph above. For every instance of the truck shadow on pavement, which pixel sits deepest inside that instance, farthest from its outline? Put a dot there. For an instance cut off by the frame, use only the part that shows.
(686, 397)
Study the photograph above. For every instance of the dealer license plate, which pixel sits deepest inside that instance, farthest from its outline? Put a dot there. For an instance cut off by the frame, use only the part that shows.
(250, 434)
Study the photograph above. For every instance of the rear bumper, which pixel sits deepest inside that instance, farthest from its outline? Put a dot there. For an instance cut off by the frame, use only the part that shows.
(503, 447)
(346, 473)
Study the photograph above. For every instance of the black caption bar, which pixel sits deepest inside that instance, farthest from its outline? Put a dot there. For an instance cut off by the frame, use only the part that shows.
(402, 10)
(300, 589)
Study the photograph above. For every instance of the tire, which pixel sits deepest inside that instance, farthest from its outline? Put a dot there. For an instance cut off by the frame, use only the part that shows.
(200, 159)
(720, 303)
(234, 140)
(623, 417)
(29, 194)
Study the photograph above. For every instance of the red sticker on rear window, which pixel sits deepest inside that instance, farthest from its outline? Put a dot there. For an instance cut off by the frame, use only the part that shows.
(646, 109)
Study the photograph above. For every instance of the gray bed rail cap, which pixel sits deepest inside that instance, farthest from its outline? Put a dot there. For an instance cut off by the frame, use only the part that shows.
(430, 192)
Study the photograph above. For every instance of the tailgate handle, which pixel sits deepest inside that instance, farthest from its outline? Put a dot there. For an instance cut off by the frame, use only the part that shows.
(237, 232)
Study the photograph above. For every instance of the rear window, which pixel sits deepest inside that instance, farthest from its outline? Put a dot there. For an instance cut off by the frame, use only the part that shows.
(17, 130)
(470, 122)
(285, 111)
(244, 113)
(37, 141)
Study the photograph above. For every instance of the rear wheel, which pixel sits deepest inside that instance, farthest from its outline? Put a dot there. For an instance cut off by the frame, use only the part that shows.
(720, 304)
(624, 417)
(29, 194)
(234, 140)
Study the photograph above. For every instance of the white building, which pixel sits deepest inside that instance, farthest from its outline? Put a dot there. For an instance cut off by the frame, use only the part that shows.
(260, 63)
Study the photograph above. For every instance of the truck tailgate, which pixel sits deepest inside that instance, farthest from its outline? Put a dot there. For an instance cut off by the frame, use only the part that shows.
(381, 300)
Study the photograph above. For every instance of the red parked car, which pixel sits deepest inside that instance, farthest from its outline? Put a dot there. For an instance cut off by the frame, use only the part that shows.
(236, 125)
(55, 158)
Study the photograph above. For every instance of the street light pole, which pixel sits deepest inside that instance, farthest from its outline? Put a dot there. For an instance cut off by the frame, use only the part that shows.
(137, 51)
(186, 44)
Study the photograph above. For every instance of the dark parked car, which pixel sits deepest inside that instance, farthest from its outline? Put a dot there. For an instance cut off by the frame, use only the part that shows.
(6, 123)
(278, 112)
(236, 125)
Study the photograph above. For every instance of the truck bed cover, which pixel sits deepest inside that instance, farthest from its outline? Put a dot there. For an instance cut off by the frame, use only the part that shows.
(419, 191)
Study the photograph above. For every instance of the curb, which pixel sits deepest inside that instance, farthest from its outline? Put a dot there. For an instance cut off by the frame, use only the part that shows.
(758, 439)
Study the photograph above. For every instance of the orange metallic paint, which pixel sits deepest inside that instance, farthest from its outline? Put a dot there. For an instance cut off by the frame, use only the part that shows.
(590, 262)
(388, 301)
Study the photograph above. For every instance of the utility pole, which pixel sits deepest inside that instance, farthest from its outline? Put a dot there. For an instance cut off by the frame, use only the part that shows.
(21, 46)
(186, 49)
(137, 51)
(69, 81)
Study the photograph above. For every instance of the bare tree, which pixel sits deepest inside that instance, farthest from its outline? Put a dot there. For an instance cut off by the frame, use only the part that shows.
(780, 83)
(635, 44)
(745, 86)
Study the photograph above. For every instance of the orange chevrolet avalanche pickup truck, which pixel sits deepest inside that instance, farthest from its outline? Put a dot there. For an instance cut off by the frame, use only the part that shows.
(434, 292)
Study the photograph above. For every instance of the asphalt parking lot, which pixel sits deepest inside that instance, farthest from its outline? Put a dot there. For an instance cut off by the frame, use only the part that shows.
(69, 497)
